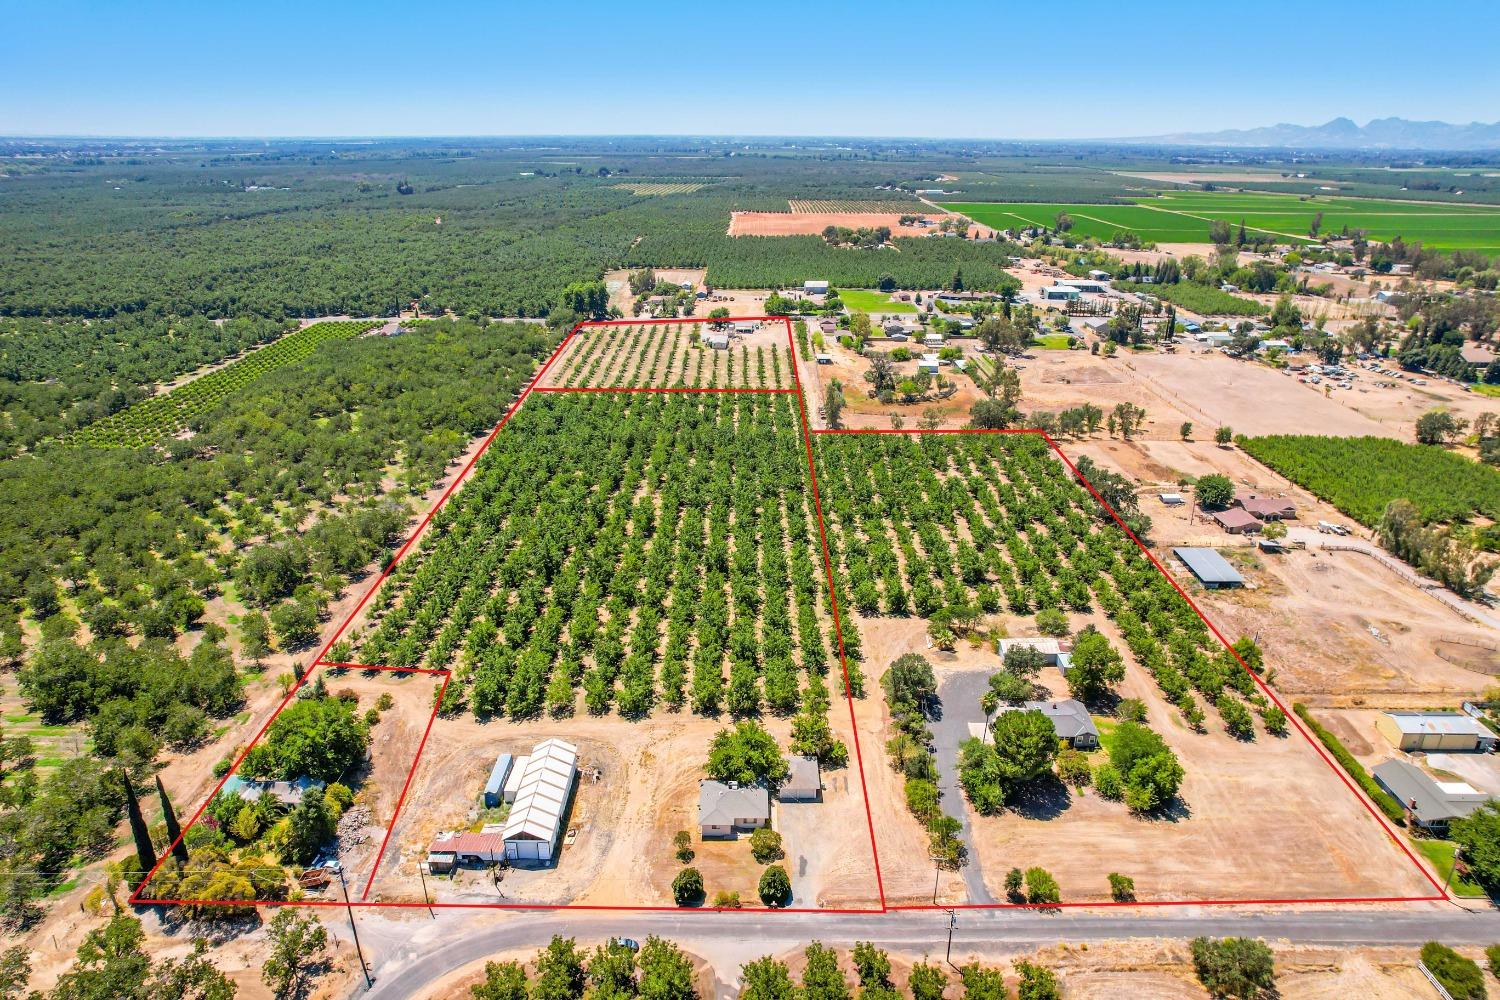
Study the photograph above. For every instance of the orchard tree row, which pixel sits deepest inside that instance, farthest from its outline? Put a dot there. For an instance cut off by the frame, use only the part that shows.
(652, 550)
(951, 528)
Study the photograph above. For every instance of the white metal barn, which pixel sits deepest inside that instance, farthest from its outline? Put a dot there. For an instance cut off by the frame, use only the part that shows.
(535, 820)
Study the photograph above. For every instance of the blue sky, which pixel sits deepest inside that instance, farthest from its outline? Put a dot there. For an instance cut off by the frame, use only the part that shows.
(992, 69)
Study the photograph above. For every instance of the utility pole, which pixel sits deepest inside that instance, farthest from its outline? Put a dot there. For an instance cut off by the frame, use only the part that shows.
(422, 873)
(1456, 852)
(369, 982)
(952, 923)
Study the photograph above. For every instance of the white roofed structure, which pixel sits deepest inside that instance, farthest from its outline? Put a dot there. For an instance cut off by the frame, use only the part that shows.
(535, 820)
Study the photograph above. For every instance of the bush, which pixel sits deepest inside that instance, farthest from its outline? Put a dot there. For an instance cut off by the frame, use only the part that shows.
(1121, 888)
(1051, 621)
(726, 900)
(1041, 887)
(1037, 982)
(1460, 976)
(1234, 967)
(765, 845)
(1013, 881)
(683, 841)
(1109, 783)
(687, 887)
(775, 886)
(1073, 767)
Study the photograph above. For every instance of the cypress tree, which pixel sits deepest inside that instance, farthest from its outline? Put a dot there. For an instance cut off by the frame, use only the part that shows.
(144, 852)
(174, 832)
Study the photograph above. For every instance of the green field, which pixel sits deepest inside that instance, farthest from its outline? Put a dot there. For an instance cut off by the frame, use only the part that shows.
(866, 301)
(1184, 217)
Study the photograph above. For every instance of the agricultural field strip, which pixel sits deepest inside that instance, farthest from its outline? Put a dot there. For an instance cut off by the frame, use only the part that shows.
(1281, 215)
(1110, 563)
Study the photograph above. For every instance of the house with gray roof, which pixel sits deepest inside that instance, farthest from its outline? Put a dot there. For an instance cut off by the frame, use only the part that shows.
(724, 809)
(1429, 803)
(1070, 719)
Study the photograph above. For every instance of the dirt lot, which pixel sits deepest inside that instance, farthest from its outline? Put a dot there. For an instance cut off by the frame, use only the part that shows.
(1243, 830)
(813, 223)
(648, 790)
(618, 283)
(664, 354)
(1378, 638)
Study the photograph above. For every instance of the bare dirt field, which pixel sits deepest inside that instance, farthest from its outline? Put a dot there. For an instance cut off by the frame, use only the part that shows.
(1378, 639)
(1243, 828)
(658, 355)
(813, 223)
(625, 820)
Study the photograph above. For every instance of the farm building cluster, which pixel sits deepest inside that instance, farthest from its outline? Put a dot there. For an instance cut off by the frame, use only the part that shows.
(537, 789)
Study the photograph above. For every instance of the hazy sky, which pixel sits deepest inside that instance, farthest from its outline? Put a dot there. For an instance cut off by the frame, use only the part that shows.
(989, 69)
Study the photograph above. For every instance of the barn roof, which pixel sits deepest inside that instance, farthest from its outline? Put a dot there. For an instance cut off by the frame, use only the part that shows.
(1208, 566)
(545, 784)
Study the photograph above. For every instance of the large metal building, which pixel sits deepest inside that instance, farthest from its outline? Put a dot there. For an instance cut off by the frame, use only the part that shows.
(535, 821)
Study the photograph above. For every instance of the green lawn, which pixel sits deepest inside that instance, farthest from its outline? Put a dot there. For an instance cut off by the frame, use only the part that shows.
(1053, 341)
(1486, 390)
(867, 301)
(1439, 854)
(1185, 216)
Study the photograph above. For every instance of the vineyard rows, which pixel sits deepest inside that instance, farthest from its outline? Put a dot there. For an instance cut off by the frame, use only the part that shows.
(965, 525)
(657, 551)
(886, 207)
(666, 355)
(152, 419)
(659, 187)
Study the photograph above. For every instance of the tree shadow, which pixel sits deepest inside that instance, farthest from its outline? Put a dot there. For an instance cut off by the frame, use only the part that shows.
(1045, 798)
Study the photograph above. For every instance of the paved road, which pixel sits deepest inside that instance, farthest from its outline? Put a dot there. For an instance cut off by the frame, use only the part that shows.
(409, 954)
(960, 694)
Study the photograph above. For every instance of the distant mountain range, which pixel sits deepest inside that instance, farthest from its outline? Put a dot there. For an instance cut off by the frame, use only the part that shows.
(1341, 133)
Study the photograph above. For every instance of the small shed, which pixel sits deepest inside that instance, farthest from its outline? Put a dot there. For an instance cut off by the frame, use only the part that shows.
(716, 339)
(746, 326)
(1172, 499)
(825, 359)
(804, 783)
(1211, 569)
(494, 789)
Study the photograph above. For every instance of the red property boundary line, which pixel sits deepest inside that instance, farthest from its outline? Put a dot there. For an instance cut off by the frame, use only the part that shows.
(808, 433)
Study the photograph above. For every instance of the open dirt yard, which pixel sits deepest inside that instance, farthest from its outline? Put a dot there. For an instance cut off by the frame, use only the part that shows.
(813, 223)
(1378, 639)
(1211, 390)
(672, 354)
(625, 819)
